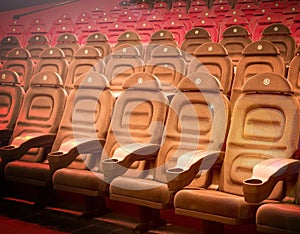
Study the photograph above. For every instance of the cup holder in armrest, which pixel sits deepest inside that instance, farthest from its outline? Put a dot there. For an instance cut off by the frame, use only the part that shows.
(254, 190)
(8, 147)
(175, 170)
(110, 160)
(57, 153)
(174, 178)
(253, 182)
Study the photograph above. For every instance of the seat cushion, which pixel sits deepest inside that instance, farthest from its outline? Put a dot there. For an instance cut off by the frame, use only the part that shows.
(80, 181)
(37, 174)
(279, 217)
(225, 207)
(143, 192)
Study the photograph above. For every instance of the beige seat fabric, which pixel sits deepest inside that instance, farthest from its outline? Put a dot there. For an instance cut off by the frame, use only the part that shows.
(259, 56)
(100, 41)
(130, 38)
(68, 42)
(36, 44)
(294, 73)
(7, 43)
(260, 129)
(213, 57)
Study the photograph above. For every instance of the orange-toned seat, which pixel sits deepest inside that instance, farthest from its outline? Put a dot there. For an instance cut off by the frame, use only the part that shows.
(177, 28)
(81, 133)
(294, 73)
(124, 61)
(213, 57)
(52, 59)
(68, 43)
(196, 124)
(138, 118)
(210, 25)
(100, 41)
(11, 98)
(194, 38)
(161, 37)
(7, 43)
(235, 39)
(130, 38)
(260, 135)
(86, 59)
(19, 60)
(38, 120)
(36, 44)
(259, 56)
(145, 29)
(280, 35)
(168, 65)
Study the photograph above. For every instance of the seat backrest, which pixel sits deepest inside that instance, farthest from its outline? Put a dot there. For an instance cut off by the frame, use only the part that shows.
(99, 41)
(130, 38)
(7, 43)
(138, 117)
(41, 110)
(19, 60)
(262, 22)
(161, 37)
(11, 98)
(87, 114)
(280, 35)
(145, 29)
(294, 73)
(114, 31)
(68, 43)
(86, 59)
(260, 129)
(177, 28)
(125, 61)
(168, 65)
(235, 39)
(193, 38)
(259, 56)
(52, 59)
(198, 119)
(214, 58)
(210, 25)
(36, 44)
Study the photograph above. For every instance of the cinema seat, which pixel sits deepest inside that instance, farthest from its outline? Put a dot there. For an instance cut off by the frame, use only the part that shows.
(137, 120)
(235, 39)
(130, 38)
(100, 41)
(213, 58)
(19, 60)
(194, 38)
(259, 56)
(294, 72)
(7, 43)
(36, 44)
(161, 37)
(38, 120)
(78, 142)
(11, 98)
(125, 61)
(52, 59)
(281, 36)
(259, 135)
(168, 65)
(196, 124)
(86, 59)
(68, 43)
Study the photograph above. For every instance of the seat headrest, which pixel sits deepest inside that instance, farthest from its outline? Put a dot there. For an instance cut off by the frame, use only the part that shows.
(268, 82)
(166, 51)
(142, 80)
(9, 77)
(91, 80)
(10, 40)
(18, 53)
(38, 39)
(52, 52)
(46, 78)
(197, 32)
(200, 81)
(162, 35)
(97, 37)
(88, 52)
(129, 36)
(261, 47)
(210, 48)
(126, 50)
(275, 29)
(67, 37)
(236, 31)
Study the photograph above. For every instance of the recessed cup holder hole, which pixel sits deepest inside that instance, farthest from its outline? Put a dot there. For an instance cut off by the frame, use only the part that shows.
(175, 170)
(8, 147)
(253, 182)
(57, 153)
(111, 160)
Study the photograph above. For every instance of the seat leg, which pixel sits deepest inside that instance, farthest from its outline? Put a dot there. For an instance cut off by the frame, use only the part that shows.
(95, 206)
(149, 219)
(211, 227)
